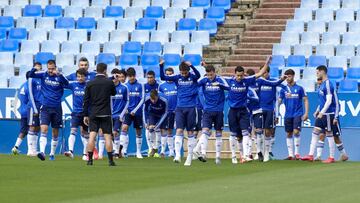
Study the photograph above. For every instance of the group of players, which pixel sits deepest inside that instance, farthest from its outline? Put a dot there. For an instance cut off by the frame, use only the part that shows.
(188, 100)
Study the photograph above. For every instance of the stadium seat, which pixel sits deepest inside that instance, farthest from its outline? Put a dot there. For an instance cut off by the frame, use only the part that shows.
(303, 14)
(350, 4)
(338, 61)
(152, 48)
(274, 72)
(194, 59)
(107, 58)
(216, 13)
(82, 3)
(337, 26)
(281, 49)
(209, 25)
(140, 3)
(154, 12)
(21, 3)
(23, 69)
(146, 24)
(9, 45)
(326, 50)
(65, 23)
(93, 12)
(134, 12)
(295, 26)
(18, 34)
(62, 3)
(30, 46)
(122, 3)
(187, 24)
(59, 35)
(315, 61)
(148, 60)
(159, 36)
(183, 4)
(78, 35)
(46, 23)
(127, 60)
(126, 24)
(44, 57)
(171, 60)
(355, 61)
(100, 3)
(351, 39)
(308, 85)
(32, 11)
(172, 48)
(53, 11)
(50, 46)
(4, 3)
(42, 3)
(303, 49)
(196, 13)
(202, 37)
(277, 61)
(114, 12)
(290, 38)
(354, 26)
(323, 14)
(174, 13)
(165, 24)
(309, 4)
(119, 36)
(100, 36)
(193, 48)
(348, 86)
(156, 70)
(181, 37)
(68, 47)
(63, 59)
(90, 48)
(13, 11)
(162, 3)
(16, 81)
(112, 47)
(73, 12)
(90, 58)
(225, 4)
(86, 23)
(345, 50)
(345, 14)
(296, 61)
(3, 34)
(331, 4)
(25, 22)
(316, 26)
(335, 74)
(6, 58)
(311, 38)
(201, 3)
(141, 36)
(331, 38)
(310, 74)
(353, 74)
(6, 22)
(106, 24)
(132, 48)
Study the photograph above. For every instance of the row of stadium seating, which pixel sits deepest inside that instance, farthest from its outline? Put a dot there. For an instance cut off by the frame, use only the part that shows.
(329, 4)
(326, 15)
(298, 26)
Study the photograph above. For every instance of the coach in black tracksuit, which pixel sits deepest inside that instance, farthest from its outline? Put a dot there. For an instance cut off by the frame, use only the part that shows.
(97, 97)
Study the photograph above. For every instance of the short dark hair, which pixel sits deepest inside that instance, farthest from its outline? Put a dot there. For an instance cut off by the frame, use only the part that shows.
(289, 72)
(322, 68)
(170, 70)
(37, 64)
(122, 71)
(250, 72)
(267, 69)
(83, 59)
(153, 93)
(209, 68)
(151, 72)
(239, 69)
(81, 72)
(131, 72)
(51, 62)
(101, 68)
(184, 67)
(115, 71)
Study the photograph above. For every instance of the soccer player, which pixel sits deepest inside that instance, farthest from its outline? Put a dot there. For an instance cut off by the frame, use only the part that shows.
(77, 118)
(185, 113)
(169, 90)
(198, 128)
(83, 64)
(326, 115)
(295, 100)
(120, 103)
(52, 88)
(134, 114)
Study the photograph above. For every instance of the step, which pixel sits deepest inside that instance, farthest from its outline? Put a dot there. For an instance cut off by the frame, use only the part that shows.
(260, 39)
(244, 51)
(275, 10)
(268, 21)
(280, 5)
(235, 24)
(248, 57)
(262, 34)
(256, 45)
(245, 63)
(274, 15)
(265, 27)
(240, 12)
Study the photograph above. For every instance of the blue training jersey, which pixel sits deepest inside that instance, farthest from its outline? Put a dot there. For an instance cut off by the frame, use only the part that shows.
(214, 95)
(35, 96)
(238, 90)
(120, 101)
(52, 87)
(148, 87)
(267, 93)
(89, 76)
(136, 97)
(23, 97)
(253, 103)
(327, 89)
(169, 90)
(292, 97)
(187, 87)
(158, 109)
(78, 92)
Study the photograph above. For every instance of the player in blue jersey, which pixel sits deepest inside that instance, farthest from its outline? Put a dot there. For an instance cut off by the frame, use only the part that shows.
(120, 103)
(185, 113)
(52, 88)
(169, 90)
(83, 64)
(198, 128)
(77, 118)
(327, 115)
(134, 111)
(155, 110)
(295, 100)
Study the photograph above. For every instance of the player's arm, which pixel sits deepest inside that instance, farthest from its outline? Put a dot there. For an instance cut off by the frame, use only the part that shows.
(223, 84)
(328, 100)
(126, 105)
(196, 72)
(337, 109)
(31, 95)
(145, 113)
(141, 101)
(306, 105)
(86, 102)
(34, 74)
(162, 73)
(263, 69)
(272, 83)
(63, 80)
(164, 115)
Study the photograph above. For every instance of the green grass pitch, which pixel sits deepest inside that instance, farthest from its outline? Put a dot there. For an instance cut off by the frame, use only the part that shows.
(24, 179)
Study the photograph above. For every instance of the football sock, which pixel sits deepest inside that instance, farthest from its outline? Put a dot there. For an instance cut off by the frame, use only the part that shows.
(331, 146)
(18, 142)
(232, 142)
(191, 144)
(152, 138)
(117, 144)
(30, 142)
(138, 143)
(319, 148)
(290, 146)
(272, 144)
(245, 142)
(34, 141)
(85, 141)
(267, 144)
(218, 145)
(178, 144)
(157, 139)
(110, 156)
(240, 147)
(341, 148)
(43, 142)
(314, 140)
(124, 138)
(297, 143)
(71, 141)
(163, 143)
(54, 143)
(90, 155)
(101, 145)
(148, 139)
(170, 142)
(204, 142)
(259, 141)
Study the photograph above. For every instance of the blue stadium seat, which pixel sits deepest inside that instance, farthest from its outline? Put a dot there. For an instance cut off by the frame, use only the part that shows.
(338, 61)
(350, 4)
(106, 24)
(86, 23)
(154, 12)
(324, 14)
(274, 72)
(195, 59)
(277, 61)
(330, 38)
(355, 61)
(152, 48)
(112, 47)
(93, 12)
(196, 13)
(281, 49)
(226, 4)
(174, 13)
(53, 11)
(14, 11)
(345, 14)
(128, 60)
(200, 3)
(326, 50)
(150, 60)
(331, 4)
(132, 48)
(6, 58)
(126, 24)
(159, 36)
(216, 13)
(146, 24)
(3, 33)
(172, 60)
(9, 45)
(73, 11)
(6, 22)
(44, 57)
(184, 4)
(156, 70)
(114, 12)
(32, 11)
(163, 3)
(348, 86)
(107, 58)
(209, 25)
(18, 33)
(296, 61)
(336, 74)
(316, 26)
(309, 4)
(295, 26)
(187, 24)
(62, 3)
(303, 14)
(65, 23)
(309, 74)
(315, 61)
(311, 38)
(303, 49)
(353, 74)
(202, 37)
(337, 26)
